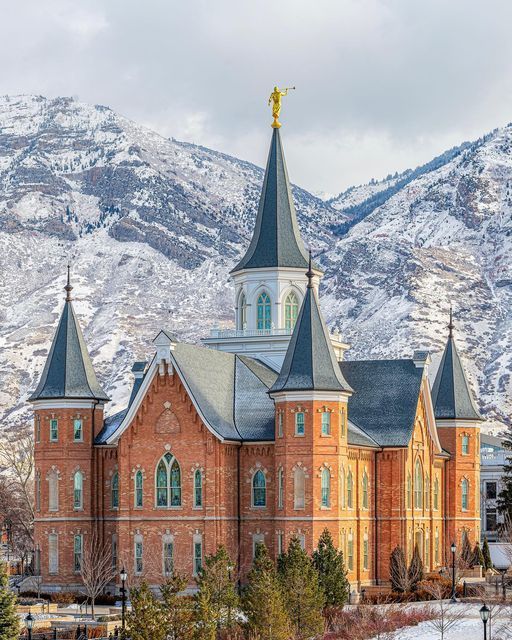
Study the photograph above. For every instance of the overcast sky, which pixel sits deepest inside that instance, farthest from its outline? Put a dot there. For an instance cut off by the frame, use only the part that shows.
(382, 85)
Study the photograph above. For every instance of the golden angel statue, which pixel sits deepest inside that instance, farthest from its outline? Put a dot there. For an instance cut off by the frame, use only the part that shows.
(275, 99)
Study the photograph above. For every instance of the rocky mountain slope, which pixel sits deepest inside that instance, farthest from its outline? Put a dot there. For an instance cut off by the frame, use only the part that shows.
(152, 227)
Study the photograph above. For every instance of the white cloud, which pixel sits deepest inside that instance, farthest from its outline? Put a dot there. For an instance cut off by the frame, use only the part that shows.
(381, 84)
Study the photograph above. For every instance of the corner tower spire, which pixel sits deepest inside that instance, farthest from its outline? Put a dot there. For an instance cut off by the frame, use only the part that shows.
(451, 395)
(276, 241)
(68, 372)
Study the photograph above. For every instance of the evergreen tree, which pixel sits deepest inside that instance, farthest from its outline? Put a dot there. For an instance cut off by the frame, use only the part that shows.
(304, 597)
(215, 579)
(504, 501)
(466, 554)
(332, 574)
(9, 621)
(177, 609)
(478, 556)
(204, 618)
(416, 569)
(144, 621)
(398, 571)
(486, 552)
(263, 600)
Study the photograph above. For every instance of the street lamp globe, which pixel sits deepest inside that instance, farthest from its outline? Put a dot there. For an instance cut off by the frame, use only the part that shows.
(29, 621)
(454, 548)
(123, 575)
(484, 613)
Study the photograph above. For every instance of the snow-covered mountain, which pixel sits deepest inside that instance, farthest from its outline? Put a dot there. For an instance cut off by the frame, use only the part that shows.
(152, 227)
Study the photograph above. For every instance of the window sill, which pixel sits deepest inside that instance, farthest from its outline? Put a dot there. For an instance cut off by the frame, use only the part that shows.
(299, 435)
(160, 508)
(197, 508)
(253, 506)
(326, 435)
(324, 508)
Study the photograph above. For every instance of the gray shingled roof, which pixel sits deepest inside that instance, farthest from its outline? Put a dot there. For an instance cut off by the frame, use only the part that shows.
(310, 363)
(358, 438)
(385, 398)
(68, 372)
(451, 395)
(276, 241)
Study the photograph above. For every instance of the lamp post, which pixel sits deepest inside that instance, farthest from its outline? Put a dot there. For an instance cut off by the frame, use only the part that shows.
(124, 577)
(484, 614)
(29, 623)
(453, 549)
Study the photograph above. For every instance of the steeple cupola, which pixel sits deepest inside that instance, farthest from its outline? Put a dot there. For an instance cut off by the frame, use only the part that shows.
(451, 395)
(68, 372)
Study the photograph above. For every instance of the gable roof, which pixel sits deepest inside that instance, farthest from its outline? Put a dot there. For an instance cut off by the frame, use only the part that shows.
(385, 398)
(451, 395)
(276, 241)
(68, 371)
(310, 363)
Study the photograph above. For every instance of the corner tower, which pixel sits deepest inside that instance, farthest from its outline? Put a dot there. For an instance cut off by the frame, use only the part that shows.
(458, 425)
(311, 445)
(68, 412)
(270, 281)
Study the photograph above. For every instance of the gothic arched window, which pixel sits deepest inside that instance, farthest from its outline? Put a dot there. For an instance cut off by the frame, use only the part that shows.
(418, 486)
(168, 482)
(326, 487)
(114, 491)
(350, 488)
(464, 494)
(291, 310)
(259, 489)
(78, 484)
(436, 493)
(264, 312)
(198, 488)
(139, 489)
(365, 490)
(299, 485)
(280, 488)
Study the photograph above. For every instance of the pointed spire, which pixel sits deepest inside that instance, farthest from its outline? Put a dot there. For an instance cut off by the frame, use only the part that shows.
(451, 395)
(68, 288)
(309, 273)
(276, 241)
(310, 363)
(68, 372)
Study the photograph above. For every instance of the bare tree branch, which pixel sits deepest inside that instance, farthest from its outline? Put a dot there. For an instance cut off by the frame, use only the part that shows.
(96, 568)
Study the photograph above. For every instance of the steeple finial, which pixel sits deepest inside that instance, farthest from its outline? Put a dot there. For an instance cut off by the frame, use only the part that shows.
(309, 272)
(450, 324)
(68, 288)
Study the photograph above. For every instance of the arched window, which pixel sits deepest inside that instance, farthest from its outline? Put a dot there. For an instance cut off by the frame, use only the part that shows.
(427, 492)
(291, 310)
(242, 311)
(342, 488)
(464, 491)
(409, 491)
(259, 489)
(168, 482)
(139, 489)
(299, 485)
(114, 490)
(326, 487)
(350, 493)
(38, 491)
(365, 551)
(418, 486)
(264, 312)
(198, 488)
(53, 490)
(436, 493)
(280, 488)
(365, 490)
(78, 498)
(350, 551)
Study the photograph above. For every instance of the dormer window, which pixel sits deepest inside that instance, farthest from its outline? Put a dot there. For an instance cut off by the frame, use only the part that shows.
(264, 312)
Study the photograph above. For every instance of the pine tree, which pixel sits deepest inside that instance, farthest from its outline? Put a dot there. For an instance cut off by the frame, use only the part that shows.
(398, 571)
(416, 569)
(478, 556)
(177, 609)
(204, 615)
(486, 552)
(504, 501)
(304, 597)
(263, 600)
(9, 621)
(144, 621)
(332, 574)
(215, 579)
(466, 554)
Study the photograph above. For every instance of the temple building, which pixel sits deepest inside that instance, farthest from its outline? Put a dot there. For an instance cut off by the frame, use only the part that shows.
(264, 432)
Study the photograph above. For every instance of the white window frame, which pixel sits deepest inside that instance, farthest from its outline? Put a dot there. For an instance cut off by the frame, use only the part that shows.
(198, 504)
(81, 427)
(54, 430)
(299, 492)
(78, 553)
(138, 554)
(326, 423)
(257, 538)
(197, 558)
(300, 424)
(78, 505)
(280, 488)
(280, 420)
(167, 543)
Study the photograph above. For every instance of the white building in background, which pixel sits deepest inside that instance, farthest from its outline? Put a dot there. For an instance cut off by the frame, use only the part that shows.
(492, 460)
